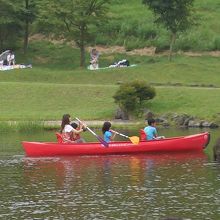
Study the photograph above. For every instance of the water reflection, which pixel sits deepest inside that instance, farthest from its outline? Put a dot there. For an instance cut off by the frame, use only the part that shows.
(67, 169)
(216, 150)
(110, 187)
(136, 183)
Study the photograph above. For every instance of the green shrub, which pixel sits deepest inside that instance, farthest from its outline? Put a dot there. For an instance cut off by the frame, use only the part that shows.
(216, 43)
(132, 43)
(186, 42)
(131, 96)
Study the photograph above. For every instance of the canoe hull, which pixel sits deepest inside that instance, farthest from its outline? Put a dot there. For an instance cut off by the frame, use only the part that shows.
(195, 142)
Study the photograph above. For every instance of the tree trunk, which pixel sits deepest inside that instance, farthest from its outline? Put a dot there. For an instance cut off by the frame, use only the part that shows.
(82, 46)
(82, 56)
(1, 45)
(173, 38)
(1, 41)
(26, 33)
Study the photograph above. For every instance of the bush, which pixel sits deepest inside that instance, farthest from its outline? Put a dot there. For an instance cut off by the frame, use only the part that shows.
(131, 96)
(132, 43)
(217, 43)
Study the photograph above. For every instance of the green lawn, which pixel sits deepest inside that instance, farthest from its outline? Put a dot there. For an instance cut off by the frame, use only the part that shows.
(203, 71)
(49, 101)
(56, 85)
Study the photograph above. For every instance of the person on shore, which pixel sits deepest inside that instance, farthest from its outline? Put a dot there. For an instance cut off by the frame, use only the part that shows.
(151, 131)
(107, 133)
(69, 134)
(94, 56)
(11, 59)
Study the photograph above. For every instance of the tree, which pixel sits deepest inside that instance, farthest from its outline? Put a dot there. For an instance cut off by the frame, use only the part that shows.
(10, 27)
(131, 96)
(28, 15)
(175, 15)
(73, 19)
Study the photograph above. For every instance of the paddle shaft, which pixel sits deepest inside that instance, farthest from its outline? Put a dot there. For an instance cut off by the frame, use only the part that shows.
(123, 135)
(133, 139)
(99, 138)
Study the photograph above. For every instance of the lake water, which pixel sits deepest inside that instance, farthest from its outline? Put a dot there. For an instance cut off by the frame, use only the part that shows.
(143, 186)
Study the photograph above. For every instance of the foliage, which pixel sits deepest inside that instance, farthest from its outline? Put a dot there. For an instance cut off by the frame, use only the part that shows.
(175, 15)
(125, 27)
(217, 43)
(131, 96)
(126, 98)
(10, 27)
(73, 20)
(28, 15)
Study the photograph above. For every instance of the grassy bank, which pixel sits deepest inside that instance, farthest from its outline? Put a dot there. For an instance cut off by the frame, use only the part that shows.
(183, 71)
(187, 85)
(43, 101)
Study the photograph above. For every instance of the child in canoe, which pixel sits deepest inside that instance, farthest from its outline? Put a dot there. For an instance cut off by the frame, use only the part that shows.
(70, 134)
(108, 134)
(151, 131)
(77, 136)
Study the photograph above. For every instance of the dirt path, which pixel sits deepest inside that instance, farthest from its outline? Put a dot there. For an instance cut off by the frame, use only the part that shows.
(150, 51)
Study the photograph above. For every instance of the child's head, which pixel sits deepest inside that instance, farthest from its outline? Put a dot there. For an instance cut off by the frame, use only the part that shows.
(151, 122)
(106, 126)
(74, 125)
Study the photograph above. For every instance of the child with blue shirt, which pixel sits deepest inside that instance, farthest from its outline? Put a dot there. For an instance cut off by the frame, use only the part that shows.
(151, 131)
(108, 134)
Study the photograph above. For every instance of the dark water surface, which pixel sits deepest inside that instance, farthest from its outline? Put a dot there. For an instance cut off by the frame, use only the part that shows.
(143, 186)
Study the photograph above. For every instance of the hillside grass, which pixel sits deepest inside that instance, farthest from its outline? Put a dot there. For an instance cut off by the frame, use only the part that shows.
(132, 25)
(56, 85)
(60, 64)
(49, 101)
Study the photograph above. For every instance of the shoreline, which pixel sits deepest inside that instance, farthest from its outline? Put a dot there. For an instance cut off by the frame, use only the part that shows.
(161, 122)
(58, 122)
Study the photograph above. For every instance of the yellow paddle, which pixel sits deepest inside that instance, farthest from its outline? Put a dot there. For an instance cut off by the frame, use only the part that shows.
(133, 139)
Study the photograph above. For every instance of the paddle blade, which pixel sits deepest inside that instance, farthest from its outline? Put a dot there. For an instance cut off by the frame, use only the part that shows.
(134, 139)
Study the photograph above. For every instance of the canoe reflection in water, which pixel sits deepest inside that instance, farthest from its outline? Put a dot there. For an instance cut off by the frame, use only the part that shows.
(68, 172)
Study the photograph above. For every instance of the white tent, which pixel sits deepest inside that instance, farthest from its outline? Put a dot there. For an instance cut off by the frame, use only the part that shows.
(3, 56)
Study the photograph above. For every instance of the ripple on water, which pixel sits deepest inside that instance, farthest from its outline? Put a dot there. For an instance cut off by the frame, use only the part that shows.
(108, 188)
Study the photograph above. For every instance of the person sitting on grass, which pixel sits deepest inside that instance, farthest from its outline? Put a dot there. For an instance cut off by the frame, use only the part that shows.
(69, 134)
(108, 134)
(94, 59)
(151, 131)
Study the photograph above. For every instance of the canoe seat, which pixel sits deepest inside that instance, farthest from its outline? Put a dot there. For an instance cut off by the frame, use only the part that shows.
(143, 136)
(59, 138)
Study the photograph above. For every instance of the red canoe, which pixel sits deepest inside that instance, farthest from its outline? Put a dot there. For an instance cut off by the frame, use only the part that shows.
(186, 143)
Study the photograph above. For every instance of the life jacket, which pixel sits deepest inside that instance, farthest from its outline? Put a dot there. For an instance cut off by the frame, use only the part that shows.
(143, 135)
(75, 137)
(59, 138)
